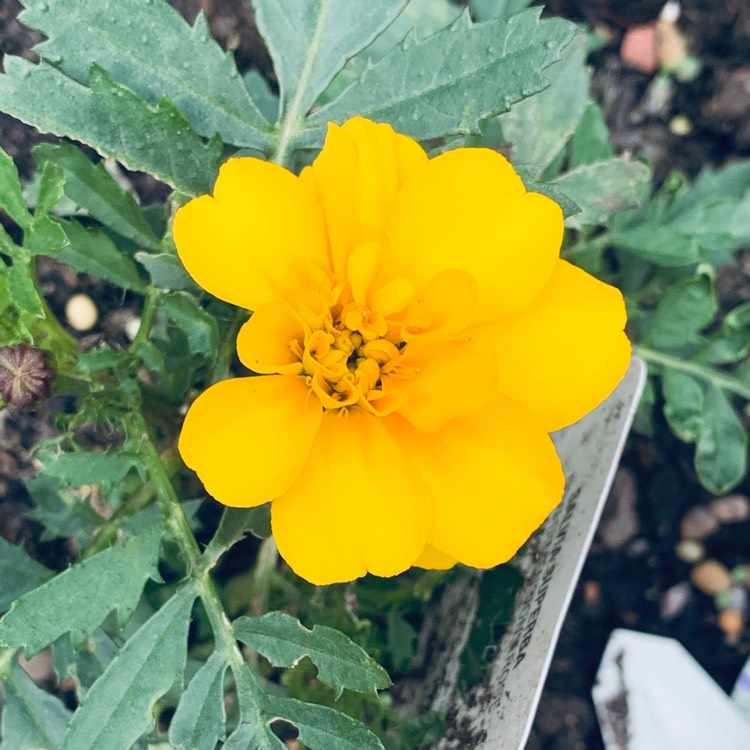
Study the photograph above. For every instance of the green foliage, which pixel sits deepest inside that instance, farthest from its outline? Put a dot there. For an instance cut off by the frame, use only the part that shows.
(19, 573)
(11, 198)
(284, 641)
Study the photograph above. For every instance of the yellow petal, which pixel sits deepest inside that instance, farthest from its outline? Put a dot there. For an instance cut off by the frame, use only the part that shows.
(263, 343)
(494, 479)
(443, 380)
(256, 239)
(356, 507)
(248, 438)
(356, 177)
(567, 352)
(434, 559)
(467, 209)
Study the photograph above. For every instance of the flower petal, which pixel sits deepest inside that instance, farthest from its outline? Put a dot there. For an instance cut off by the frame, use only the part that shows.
(567, 352)
(494, 479)
(467, 209)
(254, 241)
(263, 343)
(356, 176)
(356, 507)
(434, 559)
(248, 438)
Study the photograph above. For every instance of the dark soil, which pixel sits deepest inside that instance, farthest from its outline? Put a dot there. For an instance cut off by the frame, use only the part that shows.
(633, 577)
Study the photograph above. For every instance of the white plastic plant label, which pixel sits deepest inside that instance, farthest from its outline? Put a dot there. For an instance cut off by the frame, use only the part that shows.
(497, 714)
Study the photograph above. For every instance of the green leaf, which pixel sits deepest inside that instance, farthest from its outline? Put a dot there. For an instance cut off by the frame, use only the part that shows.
(150, 49)
(79, 599)
(23, 290)
(539, 127)
(604, 188)
(119, 707)
(111, 119)
(260, 92)
(341, 663)
(19, 573)
(731, 342)
(11, 197)
(93, 252)
(199, 327)
(199, 721)
(590, 143)
(452, 80)
(687, 307)
(311, 40)
(484, 10)
(91, 187)
(322, 728)
(166, 271)
(50, 189)
(683, 404)
(32, 718)
(236, 522)
(91, 467)
(721, 450)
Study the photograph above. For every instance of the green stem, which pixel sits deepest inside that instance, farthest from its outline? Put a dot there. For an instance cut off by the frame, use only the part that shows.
(725, 382)
(148, 316)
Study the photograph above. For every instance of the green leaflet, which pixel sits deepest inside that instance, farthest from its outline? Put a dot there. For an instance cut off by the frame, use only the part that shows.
(200, 328)
(91, 187)
(19, 573)
(150, 49)
(199, 721)
(450, 81)
(11, 198)
(78, 599)
(91, 467)
(590, 143)
(683, 404)
(166, 271)
(118, 707)
(341, 663)
(32, 718)
(112, 119)
(311, 40)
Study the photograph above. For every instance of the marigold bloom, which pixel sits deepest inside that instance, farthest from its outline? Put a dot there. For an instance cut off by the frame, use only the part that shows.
(416, 338)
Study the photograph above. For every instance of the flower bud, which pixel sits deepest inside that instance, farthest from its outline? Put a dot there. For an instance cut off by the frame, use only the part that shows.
(25, 374)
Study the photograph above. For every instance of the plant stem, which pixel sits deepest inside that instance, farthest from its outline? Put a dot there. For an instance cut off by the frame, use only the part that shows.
(148, 316)
(725, 382)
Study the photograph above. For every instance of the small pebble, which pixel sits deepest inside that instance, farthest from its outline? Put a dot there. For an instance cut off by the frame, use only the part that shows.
(698, 523)
(674, 600)
(690, 551)
(731, 509)
(741, 575)
(81, 312)
(731, 623)
(681, 125)
(734, 598)
(711, 577)
(131, 327)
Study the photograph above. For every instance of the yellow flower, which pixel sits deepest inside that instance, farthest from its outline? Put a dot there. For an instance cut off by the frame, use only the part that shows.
(416, 338)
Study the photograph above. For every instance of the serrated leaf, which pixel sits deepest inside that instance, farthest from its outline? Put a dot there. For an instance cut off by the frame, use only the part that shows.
(199, 327)
(484, 10)
(91, 187)
(11, 197)
(118, 708)
(199, 721)
(50, 189)
(32, 718)
(111, 119)
(79, 599)
(687, 307)
(341, 663)
(150, 49)
(683, 404)
(91, 467)
(721, 450)
(322, 728)
(603, 189)
(539, 127)
(311, 40)
(590, 142)
(22, 289)
(93, 252)
(450, 81)
(236, 522)
(19, 573)
(166, 271)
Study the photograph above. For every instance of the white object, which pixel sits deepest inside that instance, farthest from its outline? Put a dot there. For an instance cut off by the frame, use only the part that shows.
(652, 695)
(81, 312)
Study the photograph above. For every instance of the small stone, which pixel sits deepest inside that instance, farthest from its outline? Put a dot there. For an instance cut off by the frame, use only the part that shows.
(698, 523)
(734, 598)
(681, 125)
(81, 312)
(711, 577)
(741, 575)
(731, 509)
(131, 327)
(674, 600)
(690, 551)
(731, 623)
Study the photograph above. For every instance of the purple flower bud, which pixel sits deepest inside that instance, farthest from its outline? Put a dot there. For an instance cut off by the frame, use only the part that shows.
(25, 374)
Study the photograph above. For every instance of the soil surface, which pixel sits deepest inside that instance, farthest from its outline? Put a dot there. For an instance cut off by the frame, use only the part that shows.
(638, 574)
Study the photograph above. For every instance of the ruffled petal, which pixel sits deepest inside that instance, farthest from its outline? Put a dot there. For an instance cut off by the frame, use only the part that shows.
(256, 240)
(434, 559)
(567, 352)
(443, 380)
(248, 438)
(468, 209)
(356, 177)
(356, 507)
(494, 479)
(263, 343)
